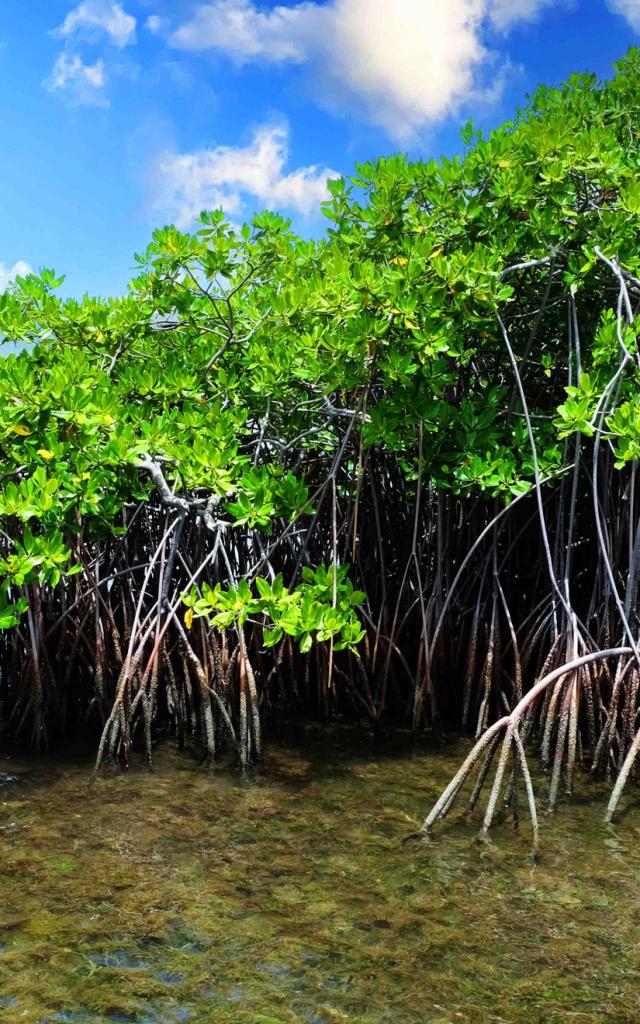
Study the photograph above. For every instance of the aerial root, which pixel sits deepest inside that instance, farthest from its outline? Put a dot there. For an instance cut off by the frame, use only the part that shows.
(622, 778)
(508, 728)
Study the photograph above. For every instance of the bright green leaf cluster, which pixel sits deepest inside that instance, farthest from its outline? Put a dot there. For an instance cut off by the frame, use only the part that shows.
(322, 607)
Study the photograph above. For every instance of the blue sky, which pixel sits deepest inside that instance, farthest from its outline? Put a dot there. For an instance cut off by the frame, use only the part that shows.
(119, 116)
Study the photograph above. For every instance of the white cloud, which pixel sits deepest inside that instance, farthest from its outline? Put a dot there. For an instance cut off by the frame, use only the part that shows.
(98, 17)
(629, 9)
(226, 176)
(81, 84)
(404, 63)
(239, 28)
(7, 274)
(155, 24)
(506, 13)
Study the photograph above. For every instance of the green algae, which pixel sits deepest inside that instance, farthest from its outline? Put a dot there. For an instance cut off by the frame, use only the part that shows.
(294, 897)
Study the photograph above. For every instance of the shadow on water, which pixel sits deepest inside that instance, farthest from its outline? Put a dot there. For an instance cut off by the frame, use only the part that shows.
(291, 897)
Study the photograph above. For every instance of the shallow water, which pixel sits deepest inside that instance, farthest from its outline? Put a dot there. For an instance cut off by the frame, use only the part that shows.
(292, 897)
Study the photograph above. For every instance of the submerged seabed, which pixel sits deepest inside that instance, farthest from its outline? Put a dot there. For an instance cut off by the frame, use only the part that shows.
(292, 897)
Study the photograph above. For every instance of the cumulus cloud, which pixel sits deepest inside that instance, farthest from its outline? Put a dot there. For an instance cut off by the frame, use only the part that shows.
(226, 176)
(98, 17)
(629, 9)
(82, 85)
(7, 274)
(405, 63)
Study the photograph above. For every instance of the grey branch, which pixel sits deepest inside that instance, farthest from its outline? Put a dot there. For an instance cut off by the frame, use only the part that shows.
(155, 472)
(524, 266)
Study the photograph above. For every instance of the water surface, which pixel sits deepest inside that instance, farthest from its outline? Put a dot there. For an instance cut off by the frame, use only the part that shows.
(293, 897)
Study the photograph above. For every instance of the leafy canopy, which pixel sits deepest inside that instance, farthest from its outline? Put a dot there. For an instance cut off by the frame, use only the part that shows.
(242, 362)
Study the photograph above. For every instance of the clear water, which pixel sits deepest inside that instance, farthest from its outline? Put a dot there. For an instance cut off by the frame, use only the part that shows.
(295, 898)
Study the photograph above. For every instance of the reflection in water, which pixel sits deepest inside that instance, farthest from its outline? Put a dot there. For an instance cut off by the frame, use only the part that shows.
(292, 897)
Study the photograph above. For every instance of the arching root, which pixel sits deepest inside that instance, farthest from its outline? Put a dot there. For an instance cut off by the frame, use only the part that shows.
(509, 726)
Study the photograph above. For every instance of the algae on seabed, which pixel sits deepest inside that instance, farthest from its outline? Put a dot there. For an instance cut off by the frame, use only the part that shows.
(292, 898)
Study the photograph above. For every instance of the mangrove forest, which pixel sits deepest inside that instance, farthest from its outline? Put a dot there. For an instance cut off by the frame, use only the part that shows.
(388, 477)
